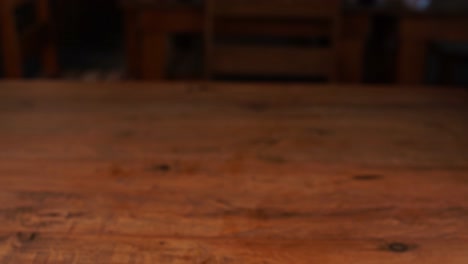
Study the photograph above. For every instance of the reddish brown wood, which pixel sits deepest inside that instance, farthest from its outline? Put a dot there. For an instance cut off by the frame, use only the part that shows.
(276, 61)
(154, 54)
(172, 21)
(355, 32)
(229, 173)
(11, 52)
(49, 50)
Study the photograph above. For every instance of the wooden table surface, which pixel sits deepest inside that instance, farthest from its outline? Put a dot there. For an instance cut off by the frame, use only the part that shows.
(230, 173)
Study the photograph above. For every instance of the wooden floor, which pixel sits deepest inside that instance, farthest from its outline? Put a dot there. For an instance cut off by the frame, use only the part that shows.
(224, 173)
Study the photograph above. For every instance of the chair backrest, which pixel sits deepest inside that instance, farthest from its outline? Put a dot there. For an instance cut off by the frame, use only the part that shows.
(283, 25)
(274, 8)
(35, 39)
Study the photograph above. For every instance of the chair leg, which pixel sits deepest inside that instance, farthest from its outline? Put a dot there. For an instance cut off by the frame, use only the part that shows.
(11, 49)
(445, 76)
(50, 60)
(49, 51)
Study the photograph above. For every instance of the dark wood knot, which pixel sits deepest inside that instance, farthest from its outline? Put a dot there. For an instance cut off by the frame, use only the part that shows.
(367, 177)
(26, 237)
(398, 247)
(160, 168)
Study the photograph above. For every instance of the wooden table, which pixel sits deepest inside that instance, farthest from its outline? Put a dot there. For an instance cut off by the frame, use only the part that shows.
(224, 173)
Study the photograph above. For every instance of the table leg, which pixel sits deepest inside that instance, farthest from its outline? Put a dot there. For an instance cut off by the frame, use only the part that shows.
(352, 67)
(12, 63)
(49, 52)
(154, 62)
(355, 31)
(414, 34)
(50, 59)
(411, 60)
(132, 45)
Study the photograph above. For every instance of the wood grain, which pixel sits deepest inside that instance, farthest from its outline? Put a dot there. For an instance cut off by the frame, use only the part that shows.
(229, 173)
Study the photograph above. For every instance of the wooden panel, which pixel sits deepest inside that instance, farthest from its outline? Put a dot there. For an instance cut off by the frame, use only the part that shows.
(154, 56)
(266, 59)
(255, 27)
(272, 60)
(276, 8)
(183, 20)
(450, 28)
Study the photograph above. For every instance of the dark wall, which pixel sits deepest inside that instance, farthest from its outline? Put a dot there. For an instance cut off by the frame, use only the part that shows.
(87, 22)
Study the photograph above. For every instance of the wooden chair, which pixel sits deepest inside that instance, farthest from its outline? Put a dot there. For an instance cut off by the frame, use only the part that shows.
(280, 23)
(35, 39)
(449, 58)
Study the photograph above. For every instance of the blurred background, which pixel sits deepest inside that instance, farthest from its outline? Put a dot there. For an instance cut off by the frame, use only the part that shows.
(354, 41)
